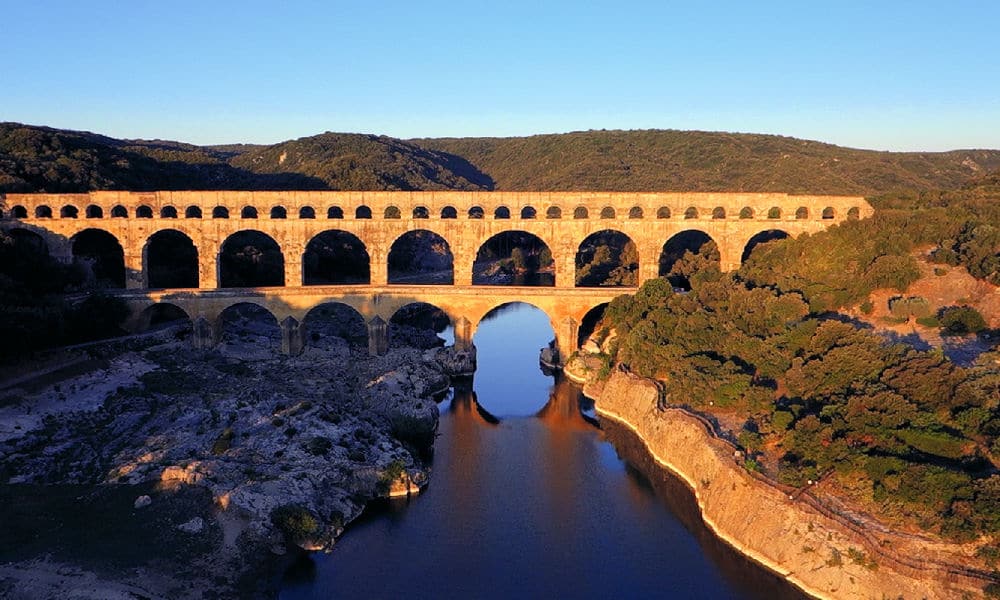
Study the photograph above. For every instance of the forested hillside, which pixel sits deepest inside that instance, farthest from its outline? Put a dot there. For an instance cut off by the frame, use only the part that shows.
(53, 160)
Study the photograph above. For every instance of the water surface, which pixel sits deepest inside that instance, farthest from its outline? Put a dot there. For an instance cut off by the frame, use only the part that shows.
(528, 499)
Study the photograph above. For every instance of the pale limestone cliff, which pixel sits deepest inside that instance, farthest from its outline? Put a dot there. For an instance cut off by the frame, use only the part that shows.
(790, 533)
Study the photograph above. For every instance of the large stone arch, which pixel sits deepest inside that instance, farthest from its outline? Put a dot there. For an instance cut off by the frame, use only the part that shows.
(695, 241)
(334, 257)
(102, 255)
(762, 237)
(607, 258)
(332, 320)
(421, 257)
(170, 260)
(514, 257)
(250, 258)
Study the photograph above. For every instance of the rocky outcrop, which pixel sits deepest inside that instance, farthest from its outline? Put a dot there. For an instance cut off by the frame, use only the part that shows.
(790, 532)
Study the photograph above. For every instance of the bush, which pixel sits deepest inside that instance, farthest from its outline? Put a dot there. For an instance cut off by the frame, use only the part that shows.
(960, 320)
(223, 442)
(295, 522)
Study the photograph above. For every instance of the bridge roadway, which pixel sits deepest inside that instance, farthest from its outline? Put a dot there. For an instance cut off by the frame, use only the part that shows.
(465, 306)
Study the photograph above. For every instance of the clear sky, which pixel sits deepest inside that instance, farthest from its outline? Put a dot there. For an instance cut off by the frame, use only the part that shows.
(895, 75)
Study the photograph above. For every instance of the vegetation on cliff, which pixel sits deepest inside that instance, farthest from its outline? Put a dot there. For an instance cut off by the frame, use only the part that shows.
(819, 393)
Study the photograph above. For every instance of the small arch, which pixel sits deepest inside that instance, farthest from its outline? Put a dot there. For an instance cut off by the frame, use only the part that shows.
(553, 212)
(119, 212)
(330, 324)
(250, 258)
(335, 257)
(718, 213)
(248, 212)
(94, 212)
(502, 212)
(761, 238)
(607, 212)
(248, 322)
(477, 212)
(774, 212)
(43, 212)
(168, 212)
(220, 212)
(363, 212)
(663, 212)
(392, 212)
(170, 260)
(746, 212)
(828, 212)
(19, 212)
(335, 212)
(691, 213)
(160, 314)
(449, 212)
(635, 212)
(421, 212)
(580, 212)
(144, 212)
(528, 212)
(192, 212)
(279, 212)
(420, 257)
(69, 212)
(307, 212)
(854, 213)
(802, 213)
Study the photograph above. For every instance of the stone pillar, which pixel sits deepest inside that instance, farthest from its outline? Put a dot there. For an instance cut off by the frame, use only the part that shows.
(379, 269)
(649, 262)
(135, 278)
(730, 254)
(463, 270)
(378, 337)
(565, 264)
(566, 338)
(203, 334)
(293, 271)
(463, 333)
(208, 274)
(293, 336)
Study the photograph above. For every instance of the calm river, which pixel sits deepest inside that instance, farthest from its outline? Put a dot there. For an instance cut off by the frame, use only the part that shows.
(529, 499)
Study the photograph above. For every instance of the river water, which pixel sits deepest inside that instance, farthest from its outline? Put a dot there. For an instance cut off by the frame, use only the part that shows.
(529, 498)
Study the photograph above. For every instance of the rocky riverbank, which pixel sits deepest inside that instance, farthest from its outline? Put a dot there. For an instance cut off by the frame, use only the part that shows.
(174, 473)
(828, 553)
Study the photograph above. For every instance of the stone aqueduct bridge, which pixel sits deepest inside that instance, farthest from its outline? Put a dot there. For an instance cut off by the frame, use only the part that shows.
(466, 220)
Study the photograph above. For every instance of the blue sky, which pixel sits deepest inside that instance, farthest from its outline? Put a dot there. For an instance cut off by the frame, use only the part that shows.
(887, 75)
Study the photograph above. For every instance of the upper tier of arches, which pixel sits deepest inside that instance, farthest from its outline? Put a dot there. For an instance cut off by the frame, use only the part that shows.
(431, 205)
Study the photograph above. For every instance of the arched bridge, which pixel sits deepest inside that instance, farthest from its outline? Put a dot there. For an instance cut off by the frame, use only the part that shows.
(463, 221)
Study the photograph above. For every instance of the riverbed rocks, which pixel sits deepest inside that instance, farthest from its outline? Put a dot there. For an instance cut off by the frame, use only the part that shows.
(261, 433)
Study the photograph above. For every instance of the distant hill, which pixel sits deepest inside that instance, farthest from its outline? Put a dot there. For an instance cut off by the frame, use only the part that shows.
(44, 159)
(353, 161)
(666, 160)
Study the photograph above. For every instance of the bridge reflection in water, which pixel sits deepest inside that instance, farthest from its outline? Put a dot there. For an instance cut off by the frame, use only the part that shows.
(527, 499)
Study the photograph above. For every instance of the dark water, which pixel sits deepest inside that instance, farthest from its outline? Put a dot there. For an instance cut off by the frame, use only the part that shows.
(528, 499)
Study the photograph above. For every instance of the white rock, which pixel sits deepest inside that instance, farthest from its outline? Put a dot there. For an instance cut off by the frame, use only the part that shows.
(193, 526)
(142, 502)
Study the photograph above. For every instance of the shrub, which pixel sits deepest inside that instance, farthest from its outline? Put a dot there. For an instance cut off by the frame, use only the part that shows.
(295, 522)
(318, 446)
(960, 320)
(223, 442)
